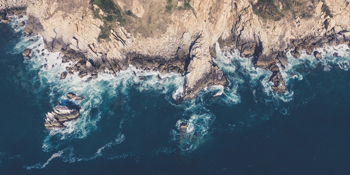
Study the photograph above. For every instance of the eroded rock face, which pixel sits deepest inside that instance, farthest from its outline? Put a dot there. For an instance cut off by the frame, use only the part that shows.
(33, 26)
(59, 115)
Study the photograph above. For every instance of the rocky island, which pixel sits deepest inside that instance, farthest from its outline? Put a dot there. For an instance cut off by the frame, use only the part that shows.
(59, 115)
(180, 35)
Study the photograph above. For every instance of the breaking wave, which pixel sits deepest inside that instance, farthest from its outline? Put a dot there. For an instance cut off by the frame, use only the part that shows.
(238, 70)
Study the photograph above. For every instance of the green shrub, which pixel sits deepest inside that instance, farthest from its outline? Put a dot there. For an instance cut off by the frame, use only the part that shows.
(105, 32)
(326, 10)
(187, 4)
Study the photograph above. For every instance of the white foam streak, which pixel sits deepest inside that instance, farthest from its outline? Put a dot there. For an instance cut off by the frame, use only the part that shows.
(43, 165)
(67, 154)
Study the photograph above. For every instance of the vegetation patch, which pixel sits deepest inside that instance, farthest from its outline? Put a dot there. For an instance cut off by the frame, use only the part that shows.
(325, 9)
(105, 31)
(168, 6)
(112, 14)
(267, 9)
(276, 9)
(186, 6)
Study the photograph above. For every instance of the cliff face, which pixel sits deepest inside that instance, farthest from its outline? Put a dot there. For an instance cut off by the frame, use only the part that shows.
(179, 35)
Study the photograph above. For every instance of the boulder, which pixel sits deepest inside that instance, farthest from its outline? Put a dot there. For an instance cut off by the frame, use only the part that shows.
(63, 75)
(264, 61)
(295, 54)
(346, 36)
(82, 74)
(278, 83)
(26, 53)
(315, 40)
(340, 39)
(335, 54)
(59, 115)
(310, 49)
(248, 49)
(22, 23)
(94, 75)
(71, 95)
(317, 55)
(283, 59)
(3, 15)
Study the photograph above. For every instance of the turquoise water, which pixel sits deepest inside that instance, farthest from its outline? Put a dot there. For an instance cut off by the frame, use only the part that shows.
(130, 126)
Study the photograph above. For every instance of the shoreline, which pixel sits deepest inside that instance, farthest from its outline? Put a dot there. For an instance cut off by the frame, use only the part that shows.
(184, 62)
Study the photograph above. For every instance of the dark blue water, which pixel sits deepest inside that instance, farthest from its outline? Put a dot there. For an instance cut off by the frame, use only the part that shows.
(130, 127)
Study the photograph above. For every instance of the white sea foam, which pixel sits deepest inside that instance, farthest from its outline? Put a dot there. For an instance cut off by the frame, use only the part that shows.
(7, 156)
(67, 155)
(42, 165)
(14, 23)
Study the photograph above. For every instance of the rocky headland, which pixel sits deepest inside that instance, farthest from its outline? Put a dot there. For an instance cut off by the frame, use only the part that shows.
(180, 35)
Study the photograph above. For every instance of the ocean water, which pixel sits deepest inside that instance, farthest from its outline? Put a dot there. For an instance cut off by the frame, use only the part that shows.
(130, 126)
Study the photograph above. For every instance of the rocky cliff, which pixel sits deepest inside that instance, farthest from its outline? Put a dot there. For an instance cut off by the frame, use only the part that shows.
(179, 35)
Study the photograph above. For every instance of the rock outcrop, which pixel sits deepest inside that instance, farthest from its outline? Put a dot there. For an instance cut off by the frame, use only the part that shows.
(179, 35)
(59, 115)
(27, 52)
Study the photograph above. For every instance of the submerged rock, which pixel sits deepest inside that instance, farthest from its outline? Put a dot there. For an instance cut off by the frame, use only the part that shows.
(59, 115)
(71, 95)
(79, 98)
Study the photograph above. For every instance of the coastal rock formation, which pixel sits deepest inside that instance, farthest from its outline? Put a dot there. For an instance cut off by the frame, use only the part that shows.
(59, 115)
(63, 75)
(180, 35)
(27, 52)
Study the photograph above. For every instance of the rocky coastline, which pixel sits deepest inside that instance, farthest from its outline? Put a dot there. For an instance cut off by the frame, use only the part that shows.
(187, 44)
